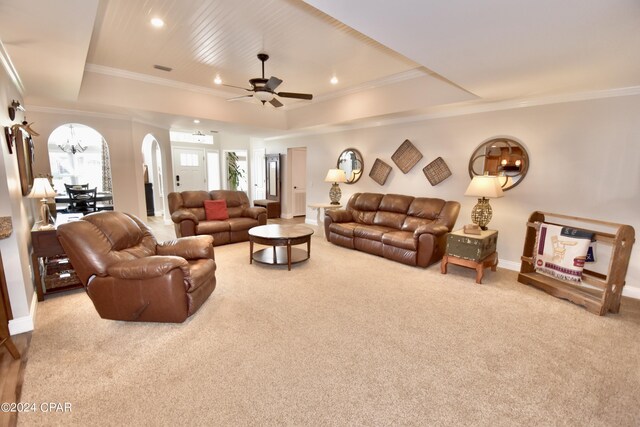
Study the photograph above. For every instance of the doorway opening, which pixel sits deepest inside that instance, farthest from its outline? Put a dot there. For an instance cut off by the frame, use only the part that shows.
(79, 156)
(236, 167)
(153, 176)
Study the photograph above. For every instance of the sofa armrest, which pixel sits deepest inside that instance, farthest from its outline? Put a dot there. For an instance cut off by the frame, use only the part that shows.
(148, 267)
(192, 247)
(183, 215)
(435, 229)
(339, 215)
(254, 212)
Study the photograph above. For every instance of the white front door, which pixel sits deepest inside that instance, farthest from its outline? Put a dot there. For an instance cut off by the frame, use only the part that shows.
(188, 169)
(298, 167)
(258, 174)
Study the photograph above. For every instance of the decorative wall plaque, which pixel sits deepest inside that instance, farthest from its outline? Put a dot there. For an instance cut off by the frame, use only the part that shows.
(406, 156)
(437, 171)
(380, 171)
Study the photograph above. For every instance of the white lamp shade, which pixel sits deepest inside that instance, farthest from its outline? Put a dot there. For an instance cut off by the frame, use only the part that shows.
(484, 186)
(41, 189)
(336, 175)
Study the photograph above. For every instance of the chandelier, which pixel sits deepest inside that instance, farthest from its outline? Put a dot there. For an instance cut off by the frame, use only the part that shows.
(72, 145)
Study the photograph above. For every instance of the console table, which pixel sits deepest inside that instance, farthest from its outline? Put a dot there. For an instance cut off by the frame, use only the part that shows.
(45, 247)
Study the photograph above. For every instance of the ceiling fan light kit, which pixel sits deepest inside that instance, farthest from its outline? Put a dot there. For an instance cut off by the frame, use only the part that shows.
(265, 89)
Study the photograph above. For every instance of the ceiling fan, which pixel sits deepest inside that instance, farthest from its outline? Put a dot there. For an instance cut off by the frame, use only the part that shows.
(264, 89)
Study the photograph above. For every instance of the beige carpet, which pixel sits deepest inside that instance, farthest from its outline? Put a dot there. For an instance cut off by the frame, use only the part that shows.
(343, 339)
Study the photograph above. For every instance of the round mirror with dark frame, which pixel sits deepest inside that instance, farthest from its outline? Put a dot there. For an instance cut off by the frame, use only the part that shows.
(350, 161)
(505, 158)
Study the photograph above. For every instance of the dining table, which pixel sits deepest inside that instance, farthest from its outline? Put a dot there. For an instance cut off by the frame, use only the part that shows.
(100, 197)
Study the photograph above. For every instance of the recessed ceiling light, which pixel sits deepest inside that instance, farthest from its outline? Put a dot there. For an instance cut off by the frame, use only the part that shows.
(334, 80)
(157, 22)
(196, 121)
(217, 80)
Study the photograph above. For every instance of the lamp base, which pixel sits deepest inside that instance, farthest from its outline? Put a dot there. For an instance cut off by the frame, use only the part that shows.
(481, 213)
(335, 193)
(45, 213)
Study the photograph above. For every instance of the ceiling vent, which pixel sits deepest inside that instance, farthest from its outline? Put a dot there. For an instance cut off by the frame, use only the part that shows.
(162, 67)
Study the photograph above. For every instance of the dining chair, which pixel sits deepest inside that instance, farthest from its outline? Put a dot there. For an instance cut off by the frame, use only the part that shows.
(82, 200)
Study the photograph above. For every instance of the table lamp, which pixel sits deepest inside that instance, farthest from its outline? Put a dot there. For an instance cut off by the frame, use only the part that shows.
(42, 190)
(483, 187)
(335, 176)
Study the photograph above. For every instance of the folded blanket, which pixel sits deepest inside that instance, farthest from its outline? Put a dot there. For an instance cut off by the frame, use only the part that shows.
(561, 251)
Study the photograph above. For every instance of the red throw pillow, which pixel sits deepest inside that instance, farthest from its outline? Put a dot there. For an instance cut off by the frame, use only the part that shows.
(216, 210)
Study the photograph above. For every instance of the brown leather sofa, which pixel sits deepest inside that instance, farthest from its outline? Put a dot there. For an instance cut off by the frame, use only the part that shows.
(410, 230)
(129, 276)
(188, 216)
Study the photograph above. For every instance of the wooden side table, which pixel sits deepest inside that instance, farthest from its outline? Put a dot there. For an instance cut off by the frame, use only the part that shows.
(45, 244)
(471, 251)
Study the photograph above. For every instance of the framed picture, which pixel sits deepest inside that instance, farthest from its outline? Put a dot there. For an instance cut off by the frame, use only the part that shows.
(25, 153)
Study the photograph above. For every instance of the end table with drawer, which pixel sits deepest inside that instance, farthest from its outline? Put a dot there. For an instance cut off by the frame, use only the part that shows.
(477, 251)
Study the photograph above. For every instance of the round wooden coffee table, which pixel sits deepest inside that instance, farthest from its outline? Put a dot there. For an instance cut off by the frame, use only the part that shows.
(281, 238)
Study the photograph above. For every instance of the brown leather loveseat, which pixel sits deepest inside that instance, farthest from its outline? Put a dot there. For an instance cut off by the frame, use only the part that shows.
(130, 276)
(188, 215)
(410, 230)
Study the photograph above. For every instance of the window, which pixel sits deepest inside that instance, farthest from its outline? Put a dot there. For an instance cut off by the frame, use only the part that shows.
(188, 159)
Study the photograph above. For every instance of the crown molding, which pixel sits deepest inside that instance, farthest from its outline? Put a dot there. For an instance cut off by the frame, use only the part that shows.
(466, 108)
(10, 69)
(145, 78)
(373, 84)
(56, 110)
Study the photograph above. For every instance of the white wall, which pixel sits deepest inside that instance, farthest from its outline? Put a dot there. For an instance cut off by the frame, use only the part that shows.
(16, 248)
(584, 161)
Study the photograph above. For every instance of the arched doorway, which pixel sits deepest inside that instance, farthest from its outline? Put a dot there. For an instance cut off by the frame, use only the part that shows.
(153, 177)
(79, 155)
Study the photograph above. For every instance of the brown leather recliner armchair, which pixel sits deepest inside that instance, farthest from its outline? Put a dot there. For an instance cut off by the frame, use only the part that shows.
(130, 276)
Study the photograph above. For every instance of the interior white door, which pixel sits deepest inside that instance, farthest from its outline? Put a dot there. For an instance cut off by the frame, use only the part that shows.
(258, 174)
(188, 169)
(298, 167)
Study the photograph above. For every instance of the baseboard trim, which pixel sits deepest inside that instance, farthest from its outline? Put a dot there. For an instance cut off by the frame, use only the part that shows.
(286, 216)
(627, 291)
(24, 324)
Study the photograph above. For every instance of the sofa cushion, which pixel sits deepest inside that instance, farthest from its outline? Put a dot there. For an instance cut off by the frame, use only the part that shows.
(395, 203)
(210, 227)
(343, 228)
(389, 219)
(240, 224)
(371, 232)
(426, 208)
(400, 239)
(367, 201)
(194, 199)
(215, 210)
(411, 223)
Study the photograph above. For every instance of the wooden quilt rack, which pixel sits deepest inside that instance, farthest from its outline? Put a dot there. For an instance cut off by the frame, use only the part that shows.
(603, 294)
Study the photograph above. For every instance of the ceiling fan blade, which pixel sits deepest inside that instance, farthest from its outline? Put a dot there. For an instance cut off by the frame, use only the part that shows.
(272, 84)
(237, 87)
(239, 98)
(295, 95)
(276, 103)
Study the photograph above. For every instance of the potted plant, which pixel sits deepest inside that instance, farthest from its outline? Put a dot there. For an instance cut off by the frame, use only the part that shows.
(235, 172)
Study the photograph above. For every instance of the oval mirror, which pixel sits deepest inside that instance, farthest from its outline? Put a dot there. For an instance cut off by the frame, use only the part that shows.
(501, 157)
(350, 161)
